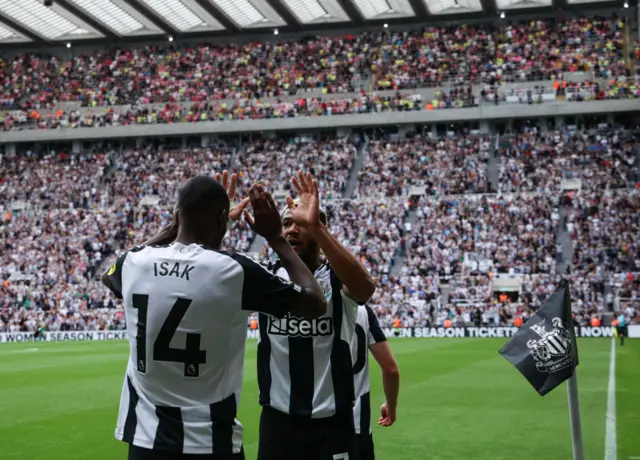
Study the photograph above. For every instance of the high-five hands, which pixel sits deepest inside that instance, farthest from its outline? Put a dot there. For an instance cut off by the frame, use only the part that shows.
(307, 213)
(266, 220)
(236, 211)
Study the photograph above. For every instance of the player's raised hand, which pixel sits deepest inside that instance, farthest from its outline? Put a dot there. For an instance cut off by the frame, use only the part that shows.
(266, 220)
(307, 213)
(387, 416)
(236, 210)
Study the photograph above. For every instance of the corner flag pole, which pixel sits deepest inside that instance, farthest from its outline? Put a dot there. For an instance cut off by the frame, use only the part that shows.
(541, 351)
(574, 417)
(572, 382)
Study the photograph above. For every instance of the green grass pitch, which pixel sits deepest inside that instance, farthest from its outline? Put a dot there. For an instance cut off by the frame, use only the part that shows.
(459, 400)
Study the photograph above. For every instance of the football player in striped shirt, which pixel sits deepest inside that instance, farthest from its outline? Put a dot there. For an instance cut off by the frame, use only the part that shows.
(369, 337)
(186, 306)
(305, 369)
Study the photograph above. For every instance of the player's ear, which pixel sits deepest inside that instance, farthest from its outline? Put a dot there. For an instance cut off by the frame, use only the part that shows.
(223, 218)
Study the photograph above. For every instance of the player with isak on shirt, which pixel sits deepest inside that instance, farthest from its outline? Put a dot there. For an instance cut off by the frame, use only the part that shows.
(187, 304)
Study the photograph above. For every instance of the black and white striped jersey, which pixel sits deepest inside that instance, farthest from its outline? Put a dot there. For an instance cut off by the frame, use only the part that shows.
(304, 366)
(186, 311)
(368, 333)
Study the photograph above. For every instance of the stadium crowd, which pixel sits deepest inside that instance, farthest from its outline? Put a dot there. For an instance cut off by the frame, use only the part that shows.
(241, 109)
(444, 166)
(274, 162)
(529, 50)
(606, 231)
(538, 162)
(477, 234)
(75, 212)
(75, 224)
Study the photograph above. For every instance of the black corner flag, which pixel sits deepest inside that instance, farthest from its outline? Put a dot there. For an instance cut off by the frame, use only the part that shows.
(544, 350)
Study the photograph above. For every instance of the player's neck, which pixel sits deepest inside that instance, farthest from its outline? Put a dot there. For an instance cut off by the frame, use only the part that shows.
(187, 237)
(312, 262)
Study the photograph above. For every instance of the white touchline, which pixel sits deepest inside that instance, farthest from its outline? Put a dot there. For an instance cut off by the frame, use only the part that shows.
(610, 440)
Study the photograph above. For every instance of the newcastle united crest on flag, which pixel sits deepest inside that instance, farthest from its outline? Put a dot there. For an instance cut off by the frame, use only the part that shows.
(544, 350)
(552, 351)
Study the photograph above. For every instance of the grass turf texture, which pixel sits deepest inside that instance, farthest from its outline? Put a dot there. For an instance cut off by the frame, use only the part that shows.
(459, 400)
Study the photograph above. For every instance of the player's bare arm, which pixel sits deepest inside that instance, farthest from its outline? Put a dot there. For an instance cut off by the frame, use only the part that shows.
(390, 381)
(266, 222)
(357, 282)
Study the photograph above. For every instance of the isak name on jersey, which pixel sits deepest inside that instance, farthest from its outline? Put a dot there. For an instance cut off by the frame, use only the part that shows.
(162, 269)
(293, 326)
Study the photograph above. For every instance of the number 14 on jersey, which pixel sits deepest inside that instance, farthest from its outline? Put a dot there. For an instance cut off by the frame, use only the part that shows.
(191, 356)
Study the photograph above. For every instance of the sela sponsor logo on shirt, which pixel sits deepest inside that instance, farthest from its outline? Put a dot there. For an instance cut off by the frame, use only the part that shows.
(293, 326)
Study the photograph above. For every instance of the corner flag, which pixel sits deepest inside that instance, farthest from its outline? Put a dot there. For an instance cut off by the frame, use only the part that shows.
(545, 351)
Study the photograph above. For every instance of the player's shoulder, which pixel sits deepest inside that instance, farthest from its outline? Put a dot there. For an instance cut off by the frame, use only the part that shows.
(142, 249)
(237, 256)
(363, 315)
(246, 261)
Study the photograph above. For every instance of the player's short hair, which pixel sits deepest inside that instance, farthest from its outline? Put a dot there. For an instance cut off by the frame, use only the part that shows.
(202, 194)
(296, 202)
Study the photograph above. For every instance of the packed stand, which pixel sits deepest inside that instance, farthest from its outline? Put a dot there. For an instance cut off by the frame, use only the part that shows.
(605, 229)
(627, 295)
(476, 235)
(73, 318)
(445, 166)
(160, 171)
(242, 109)
(467, 291)
(535, 50)
(256, 70)
(330, 160)
(413, 300)
(539, 161)
(587, 297)
(55, 179)
(621, 88)
(50, 261)
(472, 301)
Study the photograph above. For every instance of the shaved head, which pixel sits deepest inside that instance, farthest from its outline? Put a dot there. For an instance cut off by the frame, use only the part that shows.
(203, 209)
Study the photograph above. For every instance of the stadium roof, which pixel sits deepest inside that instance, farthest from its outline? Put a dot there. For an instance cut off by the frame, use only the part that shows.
(28, 21)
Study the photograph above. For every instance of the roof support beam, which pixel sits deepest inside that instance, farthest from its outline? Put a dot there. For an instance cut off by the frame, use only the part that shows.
(419, 8)
(559, 5)
(352, 11)
(286, 14)
(100, 27)
(490, 7)
(23, 30)
(219, 15)
(154, 18)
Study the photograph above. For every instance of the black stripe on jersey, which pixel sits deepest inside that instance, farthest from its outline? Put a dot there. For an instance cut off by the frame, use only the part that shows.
(223, 414)
(132, 419)
(341, 363)
(374, 326)
(170, 432)
(362, 350)
(264, 361)
(301, 373)
(365, 413)
(141, 303)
